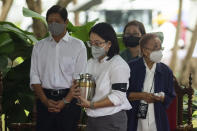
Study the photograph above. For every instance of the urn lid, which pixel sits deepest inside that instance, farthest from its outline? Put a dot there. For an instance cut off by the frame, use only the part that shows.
(86, 76)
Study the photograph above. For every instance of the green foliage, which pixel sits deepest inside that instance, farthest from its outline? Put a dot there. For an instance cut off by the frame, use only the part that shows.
(15, 43)
(81, 32)
(30, 13)
(120, 42)
(194, 109)
(4, 62)
(17, 95)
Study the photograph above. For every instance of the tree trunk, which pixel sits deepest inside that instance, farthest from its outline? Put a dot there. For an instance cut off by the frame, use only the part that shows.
(64, 3)
(39, 28)
(76, 14)
(5, 9)
(186, 62)
(175, 48)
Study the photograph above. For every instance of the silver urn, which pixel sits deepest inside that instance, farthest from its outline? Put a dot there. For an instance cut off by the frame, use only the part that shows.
(87, 86)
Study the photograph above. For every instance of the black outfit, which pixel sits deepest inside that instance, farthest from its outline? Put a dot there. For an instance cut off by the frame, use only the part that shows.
(66, 120)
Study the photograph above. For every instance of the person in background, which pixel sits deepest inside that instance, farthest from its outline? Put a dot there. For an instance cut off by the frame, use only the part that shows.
(151, 88)
(106, 111)
(55, 60)
(132, 33)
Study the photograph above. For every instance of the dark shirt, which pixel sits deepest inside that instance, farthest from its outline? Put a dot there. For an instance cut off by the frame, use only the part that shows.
(126, 55)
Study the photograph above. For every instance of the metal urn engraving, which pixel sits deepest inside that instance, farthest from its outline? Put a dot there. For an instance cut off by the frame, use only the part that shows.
(87, 86)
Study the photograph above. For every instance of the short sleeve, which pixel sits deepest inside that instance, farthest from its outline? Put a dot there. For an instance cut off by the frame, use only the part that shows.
(120, 74)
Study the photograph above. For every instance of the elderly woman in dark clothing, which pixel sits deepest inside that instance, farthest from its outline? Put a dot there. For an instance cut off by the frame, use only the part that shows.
(150, 88)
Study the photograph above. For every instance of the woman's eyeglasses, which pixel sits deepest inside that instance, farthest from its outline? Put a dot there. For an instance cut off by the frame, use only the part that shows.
(95, 43)
(154, 49)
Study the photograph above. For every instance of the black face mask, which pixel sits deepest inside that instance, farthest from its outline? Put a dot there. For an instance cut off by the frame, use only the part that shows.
(131, 41)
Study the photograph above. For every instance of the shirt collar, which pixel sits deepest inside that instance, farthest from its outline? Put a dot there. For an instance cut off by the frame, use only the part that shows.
(153, 67)
(65, 38)
(103, 60)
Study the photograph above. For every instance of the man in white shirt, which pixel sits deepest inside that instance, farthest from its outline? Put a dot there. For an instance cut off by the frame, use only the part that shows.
(55, 62)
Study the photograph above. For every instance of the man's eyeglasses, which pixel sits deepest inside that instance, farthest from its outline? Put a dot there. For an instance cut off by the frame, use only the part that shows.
(95, 43)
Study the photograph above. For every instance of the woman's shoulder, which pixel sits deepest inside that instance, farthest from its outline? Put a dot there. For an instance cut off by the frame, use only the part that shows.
(91, 61)
(117, 60)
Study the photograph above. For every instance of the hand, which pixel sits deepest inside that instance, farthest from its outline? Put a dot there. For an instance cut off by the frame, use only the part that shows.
(60, 105)
(51, 105)
(74, 92)
(159, 98)
(83, 102)
(54, 110)
(148, 97)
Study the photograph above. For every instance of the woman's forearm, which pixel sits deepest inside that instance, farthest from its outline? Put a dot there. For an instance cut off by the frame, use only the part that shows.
(136, 96)
(103, 103)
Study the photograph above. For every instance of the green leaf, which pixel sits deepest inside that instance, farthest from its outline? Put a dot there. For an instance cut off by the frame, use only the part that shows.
(16, 114)
(3, 62)
(7, 48)
(5, 39)
(21, 48)
(30, 13)
(9, 27)
(71, 28)
(15, 42)
(194, 114)
(32, 38)
(82, 32)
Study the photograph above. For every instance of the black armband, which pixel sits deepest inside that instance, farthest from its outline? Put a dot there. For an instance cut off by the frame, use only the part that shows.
(120, 86)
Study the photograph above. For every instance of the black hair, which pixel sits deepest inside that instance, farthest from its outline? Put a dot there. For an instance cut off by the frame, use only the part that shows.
(106, 32)
(57, 9)
(138, 24)
(144, 40)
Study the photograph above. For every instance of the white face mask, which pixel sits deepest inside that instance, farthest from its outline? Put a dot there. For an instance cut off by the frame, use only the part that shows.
(156, 56)
(98, 51)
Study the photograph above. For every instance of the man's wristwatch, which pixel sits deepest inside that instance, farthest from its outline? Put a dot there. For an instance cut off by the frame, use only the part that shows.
(65, 101)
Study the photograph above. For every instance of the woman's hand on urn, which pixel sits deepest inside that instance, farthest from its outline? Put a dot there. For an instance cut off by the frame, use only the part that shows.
(83, 102)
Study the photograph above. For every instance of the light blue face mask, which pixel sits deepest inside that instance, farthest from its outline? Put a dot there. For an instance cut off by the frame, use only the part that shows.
(56, 28)
(97, 52)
